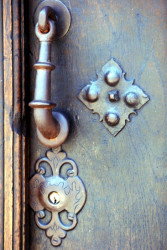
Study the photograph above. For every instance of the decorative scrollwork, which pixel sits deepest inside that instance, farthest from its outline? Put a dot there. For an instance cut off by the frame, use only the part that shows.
(56, 194)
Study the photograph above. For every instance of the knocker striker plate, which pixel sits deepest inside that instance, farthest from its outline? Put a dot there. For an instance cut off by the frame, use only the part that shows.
(55, 194)
(113, 97)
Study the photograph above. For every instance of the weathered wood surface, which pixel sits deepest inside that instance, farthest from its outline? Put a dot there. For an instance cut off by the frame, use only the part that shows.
(12, 136)
(125, 176)
(1, 134)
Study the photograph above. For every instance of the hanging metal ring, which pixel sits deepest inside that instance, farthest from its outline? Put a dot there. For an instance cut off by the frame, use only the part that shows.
(45, 14)
(56, 11)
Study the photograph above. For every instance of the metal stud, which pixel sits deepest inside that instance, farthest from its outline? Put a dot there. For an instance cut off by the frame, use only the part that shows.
(112, 118)
(92, 93)
(112, 77)
(132, 99)
(117, 98)
(114, 96)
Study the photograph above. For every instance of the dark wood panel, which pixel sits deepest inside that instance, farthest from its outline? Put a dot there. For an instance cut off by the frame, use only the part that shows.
(125, 177)
(12, 135)
(8, 133)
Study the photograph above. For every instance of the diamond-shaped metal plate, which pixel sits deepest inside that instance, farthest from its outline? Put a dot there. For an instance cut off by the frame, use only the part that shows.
(113, 97)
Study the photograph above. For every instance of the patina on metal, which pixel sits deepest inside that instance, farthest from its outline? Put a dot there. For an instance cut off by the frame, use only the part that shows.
(43, 20)
(52, 127)
(55, 193)
(113, 97)
(52, 192)
(56, 11)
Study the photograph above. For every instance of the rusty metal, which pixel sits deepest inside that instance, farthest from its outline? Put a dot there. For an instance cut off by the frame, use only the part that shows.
(56, 11)
(52, 127)
(43, 20)
(55, 194)
(113, 97)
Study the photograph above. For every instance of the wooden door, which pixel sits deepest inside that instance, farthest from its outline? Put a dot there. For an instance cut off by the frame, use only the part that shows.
(125, 175)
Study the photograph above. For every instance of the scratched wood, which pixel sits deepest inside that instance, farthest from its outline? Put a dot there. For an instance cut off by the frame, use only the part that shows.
(125, 176)
(13, 200)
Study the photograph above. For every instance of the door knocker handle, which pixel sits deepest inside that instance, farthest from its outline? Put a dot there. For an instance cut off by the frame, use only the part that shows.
(51, 192)
(52, 127)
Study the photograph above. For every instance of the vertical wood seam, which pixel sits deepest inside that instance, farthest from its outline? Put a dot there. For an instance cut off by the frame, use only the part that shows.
(8, 134)
(24, 148)
(14, 143)
(17, 125)
(1, 134)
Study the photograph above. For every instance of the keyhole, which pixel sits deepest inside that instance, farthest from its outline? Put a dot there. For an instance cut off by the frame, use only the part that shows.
(54, 198)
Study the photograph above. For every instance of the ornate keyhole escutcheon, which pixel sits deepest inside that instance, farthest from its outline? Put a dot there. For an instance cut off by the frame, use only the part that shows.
(56, 194)
(113, 97)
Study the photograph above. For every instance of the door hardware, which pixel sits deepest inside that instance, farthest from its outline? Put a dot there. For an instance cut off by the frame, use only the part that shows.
(56, 194)
(113, 97)
(56, 11)
(52, 193)
(52, 127)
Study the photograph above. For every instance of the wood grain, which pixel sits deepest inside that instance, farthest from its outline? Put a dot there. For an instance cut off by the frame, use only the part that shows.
(13, 227)
(8, 134)
(17, 126)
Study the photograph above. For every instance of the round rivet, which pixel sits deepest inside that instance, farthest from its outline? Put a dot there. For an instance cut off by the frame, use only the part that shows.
(132, 99)
(114, 96)
(41, 214)
(112, 77)
(92, 94)
(54, 198)
(112, 119)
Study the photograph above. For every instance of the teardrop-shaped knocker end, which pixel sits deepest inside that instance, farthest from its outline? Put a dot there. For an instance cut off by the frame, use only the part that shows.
(52, 127)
